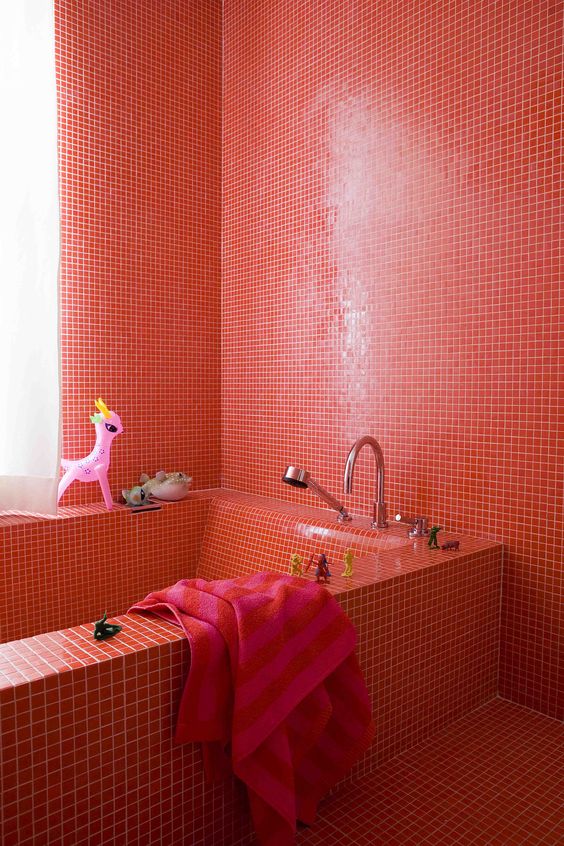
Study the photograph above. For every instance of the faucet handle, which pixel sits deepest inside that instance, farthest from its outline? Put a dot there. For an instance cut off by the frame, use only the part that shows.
(419, 525)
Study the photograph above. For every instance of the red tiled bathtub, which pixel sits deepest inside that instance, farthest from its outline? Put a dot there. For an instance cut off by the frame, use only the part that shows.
(87, 751)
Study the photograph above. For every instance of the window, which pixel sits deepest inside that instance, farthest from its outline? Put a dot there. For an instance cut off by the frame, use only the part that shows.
(29, 259)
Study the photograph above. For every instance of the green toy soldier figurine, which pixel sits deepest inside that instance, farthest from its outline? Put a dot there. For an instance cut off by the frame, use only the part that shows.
(433, 543)
(103, 630)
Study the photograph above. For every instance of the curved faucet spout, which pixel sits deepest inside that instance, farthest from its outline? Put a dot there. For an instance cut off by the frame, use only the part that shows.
(379, 520)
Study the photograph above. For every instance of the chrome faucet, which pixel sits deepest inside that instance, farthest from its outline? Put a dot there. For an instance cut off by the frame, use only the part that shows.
(379, 517)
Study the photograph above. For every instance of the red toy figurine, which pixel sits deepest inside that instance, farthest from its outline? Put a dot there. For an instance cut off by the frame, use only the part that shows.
(322, 572)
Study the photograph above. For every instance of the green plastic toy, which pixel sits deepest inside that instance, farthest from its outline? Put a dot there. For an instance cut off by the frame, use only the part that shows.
(103, 630)
(433, 543)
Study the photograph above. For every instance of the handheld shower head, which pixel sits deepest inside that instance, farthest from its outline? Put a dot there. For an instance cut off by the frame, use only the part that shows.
(299, 478)
(296, 477)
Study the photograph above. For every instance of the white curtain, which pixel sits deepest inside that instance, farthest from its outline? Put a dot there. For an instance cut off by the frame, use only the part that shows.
(29, 259)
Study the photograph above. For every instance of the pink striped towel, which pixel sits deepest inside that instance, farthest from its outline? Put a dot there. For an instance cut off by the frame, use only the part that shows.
(274, 690)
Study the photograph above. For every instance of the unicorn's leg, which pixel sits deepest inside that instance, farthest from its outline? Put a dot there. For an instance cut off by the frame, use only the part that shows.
(66, 480)
(102, 475)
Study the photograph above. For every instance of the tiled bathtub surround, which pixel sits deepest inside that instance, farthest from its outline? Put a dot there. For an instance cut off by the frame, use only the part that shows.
(58, 573)
(87, 726)
(428, 634)
(392, 263)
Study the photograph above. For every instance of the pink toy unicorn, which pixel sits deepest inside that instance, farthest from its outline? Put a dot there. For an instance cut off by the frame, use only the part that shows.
(94, 468)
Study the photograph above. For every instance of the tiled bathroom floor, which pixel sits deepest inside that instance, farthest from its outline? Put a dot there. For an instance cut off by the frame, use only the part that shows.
(493, 778)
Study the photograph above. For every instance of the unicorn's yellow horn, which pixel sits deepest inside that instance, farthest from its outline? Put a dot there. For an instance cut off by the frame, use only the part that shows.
(101, 406)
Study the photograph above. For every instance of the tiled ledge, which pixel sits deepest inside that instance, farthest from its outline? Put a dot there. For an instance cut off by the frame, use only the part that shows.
(380, 555)
(70, 512)
(319, 520)
(248, 524)
(28, 660)
(25, 661)
(60, 573)
(321, 517)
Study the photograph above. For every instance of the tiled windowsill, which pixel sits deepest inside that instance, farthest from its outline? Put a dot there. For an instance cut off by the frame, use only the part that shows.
(69, 512)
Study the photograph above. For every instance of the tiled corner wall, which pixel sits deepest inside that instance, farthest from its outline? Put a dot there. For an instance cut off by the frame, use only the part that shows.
(140, 184)
(392, 205)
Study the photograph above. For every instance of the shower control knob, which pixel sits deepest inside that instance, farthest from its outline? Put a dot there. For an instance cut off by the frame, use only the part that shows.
(419, 525)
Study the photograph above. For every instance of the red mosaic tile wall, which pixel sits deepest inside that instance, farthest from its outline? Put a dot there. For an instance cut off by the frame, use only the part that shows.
(392, 205)
(140, 174)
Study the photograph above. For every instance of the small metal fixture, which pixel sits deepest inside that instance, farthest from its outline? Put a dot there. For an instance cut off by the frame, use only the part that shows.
(419, 525)
(299, 478)
(379, 520)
